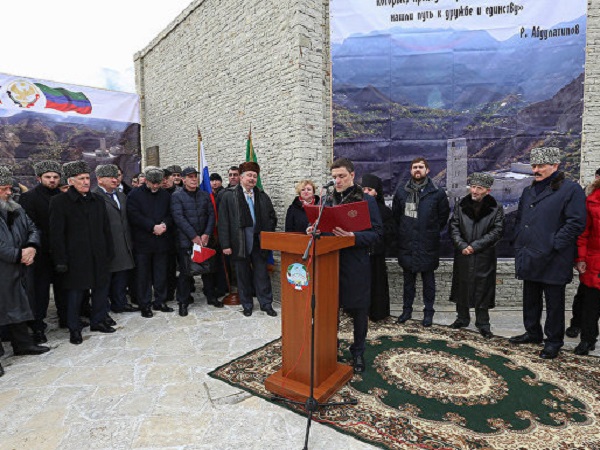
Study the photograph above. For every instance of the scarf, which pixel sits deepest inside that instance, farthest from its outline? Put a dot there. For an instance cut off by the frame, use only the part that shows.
(411, 209)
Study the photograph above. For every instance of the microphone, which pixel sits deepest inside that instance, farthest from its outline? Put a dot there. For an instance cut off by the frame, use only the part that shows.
(328, 185)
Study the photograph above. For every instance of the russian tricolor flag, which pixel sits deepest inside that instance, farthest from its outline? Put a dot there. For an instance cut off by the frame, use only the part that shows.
(204, 181)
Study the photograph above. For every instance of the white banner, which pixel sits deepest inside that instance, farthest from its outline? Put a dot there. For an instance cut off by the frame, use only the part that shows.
(20, 94)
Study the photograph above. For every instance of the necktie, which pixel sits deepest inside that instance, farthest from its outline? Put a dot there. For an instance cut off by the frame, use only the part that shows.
(251, 205)
(113, 197)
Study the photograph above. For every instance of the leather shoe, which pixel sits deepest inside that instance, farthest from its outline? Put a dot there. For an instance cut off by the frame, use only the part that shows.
(126, 308)
(102, 328)
(486, 333)
(215, 302)
(183, 309)
(110, 321)
(359, 364)
(573, 332)
(247, 312)
(584, 348)
(147, 312)
(458, 324)
(39, 337)
(549, 353)
(524, 338)
(404, 317)
(75, 337)
(32, 350)
(162, 307)
(270, 311)
(427, 321)
(1, 370)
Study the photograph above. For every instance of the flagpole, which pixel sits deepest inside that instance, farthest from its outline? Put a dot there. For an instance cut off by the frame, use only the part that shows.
(199, 146)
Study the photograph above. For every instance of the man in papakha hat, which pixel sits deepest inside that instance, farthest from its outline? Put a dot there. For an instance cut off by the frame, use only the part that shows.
(550, 217)
(475, 227)
(149, 213)
(82, 247)
(20, 241)
(36, 204)
(115, 202)
(245, 211)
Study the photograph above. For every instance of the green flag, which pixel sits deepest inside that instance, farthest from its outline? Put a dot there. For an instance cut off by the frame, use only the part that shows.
(251, 155)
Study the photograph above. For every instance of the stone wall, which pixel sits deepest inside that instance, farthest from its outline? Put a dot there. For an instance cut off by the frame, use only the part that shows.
(223, 66)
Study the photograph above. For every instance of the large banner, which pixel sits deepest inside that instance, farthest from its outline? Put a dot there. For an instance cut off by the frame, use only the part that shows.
(42, 119)
(472, 85)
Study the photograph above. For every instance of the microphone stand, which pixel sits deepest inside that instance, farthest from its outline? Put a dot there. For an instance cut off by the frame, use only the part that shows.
(312, 405)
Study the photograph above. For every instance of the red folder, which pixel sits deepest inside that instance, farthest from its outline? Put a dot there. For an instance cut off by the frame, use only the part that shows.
(349, 216)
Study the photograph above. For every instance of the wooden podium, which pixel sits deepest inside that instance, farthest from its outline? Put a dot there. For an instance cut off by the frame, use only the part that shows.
(293, 380)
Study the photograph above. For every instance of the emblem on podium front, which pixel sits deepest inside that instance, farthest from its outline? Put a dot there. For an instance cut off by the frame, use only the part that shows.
(297, 276)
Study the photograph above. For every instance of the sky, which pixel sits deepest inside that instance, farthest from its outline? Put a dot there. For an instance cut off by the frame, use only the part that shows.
(82, 42)
(349, 15)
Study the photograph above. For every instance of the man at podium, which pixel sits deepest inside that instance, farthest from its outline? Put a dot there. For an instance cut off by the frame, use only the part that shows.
(355, 265)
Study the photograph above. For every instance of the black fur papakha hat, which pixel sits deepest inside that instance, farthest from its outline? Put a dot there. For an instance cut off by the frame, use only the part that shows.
(43, 167)
(74, 168)
(107, 170)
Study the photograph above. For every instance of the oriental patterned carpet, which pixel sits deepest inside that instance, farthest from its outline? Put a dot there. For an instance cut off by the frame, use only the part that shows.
(439, 388)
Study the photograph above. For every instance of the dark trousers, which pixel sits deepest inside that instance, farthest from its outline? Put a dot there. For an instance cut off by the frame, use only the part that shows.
(220, 276)
(117, 291)
(39, 278)
(184, 259)
(18, 334)
(482, 316)
(590, 308)
(252, 275)
(533, 304)
(577, 310)
(99, 307)
(171, 275)
(151, 272)
(360, 320)
(409, 290)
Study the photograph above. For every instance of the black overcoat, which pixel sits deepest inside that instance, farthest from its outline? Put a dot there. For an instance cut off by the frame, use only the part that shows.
(36, 203)
(14, 303)
(231, 234)
(419, 239)
(547, 228)
(80, 239)
(295, 217)
(474, 276)
(145, 209)
(355, 264)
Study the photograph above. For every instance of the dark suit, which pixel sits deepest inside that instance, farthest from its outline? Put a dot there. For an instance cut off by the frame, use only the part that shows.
(122, 263)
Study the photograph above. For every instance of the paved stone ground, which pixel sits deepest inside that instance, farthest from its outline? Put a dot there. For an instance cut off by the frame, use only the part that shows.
(146, 386)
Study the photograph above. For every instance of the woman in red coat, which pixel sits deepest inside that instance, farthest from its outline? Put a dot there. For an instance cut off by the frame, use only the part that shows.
(588, 265)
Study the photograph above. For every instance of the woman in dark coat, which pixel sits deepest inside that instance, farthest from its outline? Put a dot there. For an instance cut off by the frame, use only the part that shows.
(295, 218)
(380, 291)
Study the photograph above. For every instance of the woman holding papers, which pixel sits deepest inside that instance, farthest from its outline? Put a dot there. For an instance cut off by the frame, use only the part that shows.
(295, 219)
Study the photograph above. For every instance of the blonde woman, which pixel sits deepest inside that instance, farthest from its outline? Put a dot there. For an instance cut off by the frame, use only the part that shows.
(295, 219)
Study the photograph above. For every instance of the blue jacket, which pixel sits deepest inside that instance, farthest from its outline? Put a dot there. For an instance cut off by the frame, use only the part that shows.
(193, 214)
(145, 210)
(419, 240)
(546, 231)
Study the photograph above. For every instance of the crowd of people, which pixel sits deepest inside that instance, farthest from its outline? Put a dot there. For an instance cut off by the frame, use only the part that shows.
(97, 247)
